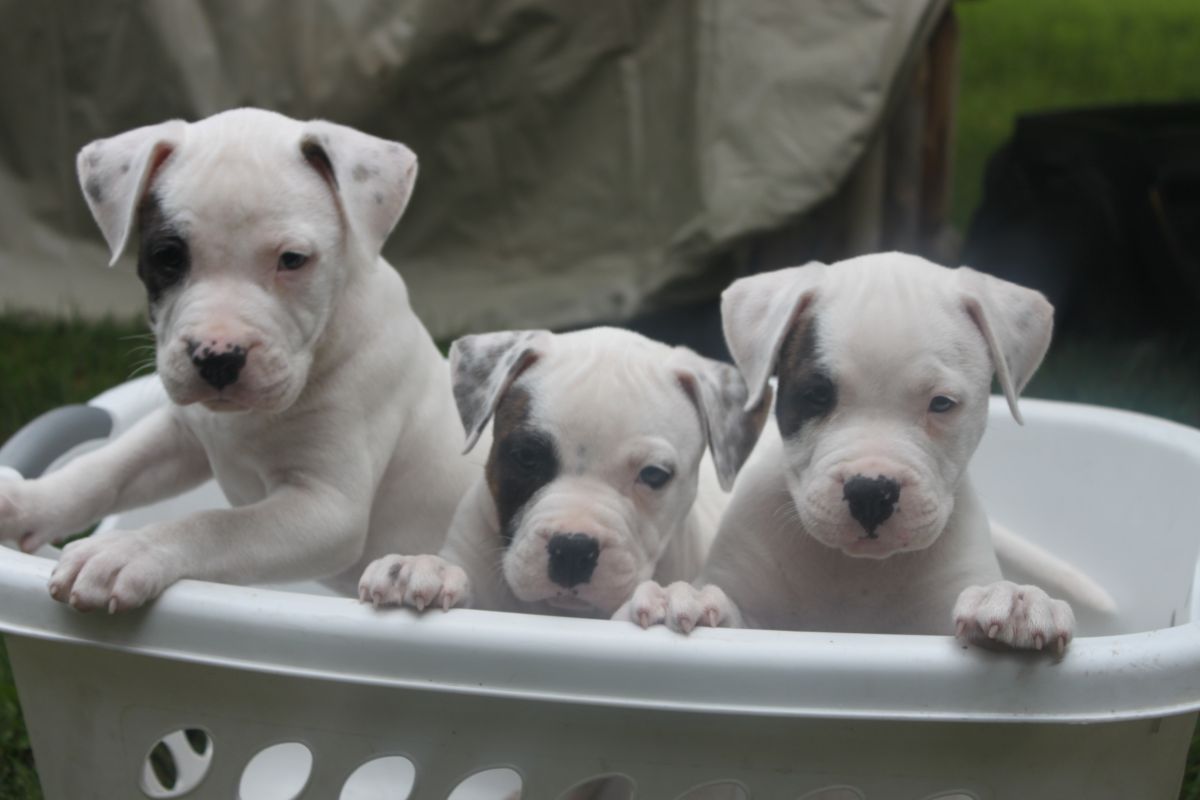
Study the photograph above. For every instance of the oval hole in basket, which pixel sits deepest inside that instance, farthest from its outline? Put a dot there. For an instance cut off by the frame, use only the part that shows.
(609, 787)
(383, 778)
(834, 793)
(501, 783)
(278, 772)
(953, 794)
(717, 790)
(177, 763)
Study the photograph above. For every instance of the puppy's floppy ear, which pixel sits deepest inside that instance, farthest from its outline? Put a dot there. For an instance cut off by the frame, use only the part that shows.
(114, 174)
(730, 425)
(1016, 323)
(483, 366)
(757, 312)
(371, 178)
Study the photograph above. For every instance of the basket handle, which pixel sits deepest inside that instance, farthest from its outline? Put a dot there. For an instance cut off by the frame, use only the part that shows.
(35, 447)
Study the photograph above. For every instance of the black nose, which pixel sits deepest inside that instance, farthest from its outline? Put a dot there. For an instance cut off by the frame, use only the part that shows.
(219, 369)
(872, 500)
(573, 558)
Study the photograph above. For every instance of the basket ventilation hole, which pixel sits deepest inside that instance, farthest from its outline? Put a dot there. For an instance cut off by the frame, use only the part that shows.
(834, 793)
(956, 794)
(491, 784)
(384, 778)
(609, 787)
(176, 764)
(720, 790)
(278, 772)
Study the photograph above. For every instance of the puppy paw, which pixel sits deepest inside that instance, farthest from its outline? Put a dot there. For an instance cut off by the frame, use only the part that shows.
(26, 516)
(680, 606)
(115, 571)
(1009, 615)
(417, 581)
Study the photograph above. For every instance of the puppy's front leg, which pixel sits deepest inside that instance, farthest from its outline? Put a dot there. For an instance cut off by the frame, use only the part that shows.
(299, 530)
(156, 458)
(680, 606)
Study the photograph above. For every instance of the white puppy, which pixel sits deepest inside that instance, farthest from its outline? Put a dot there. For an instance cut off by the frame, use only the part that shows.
(299, 375)
(596, 479)
(855, 512)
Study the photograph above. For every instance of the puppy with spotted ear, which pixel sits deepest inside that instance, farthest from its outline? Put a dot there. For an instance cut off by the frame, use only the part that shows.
(297, 373)
(856, 512)
(596, 478)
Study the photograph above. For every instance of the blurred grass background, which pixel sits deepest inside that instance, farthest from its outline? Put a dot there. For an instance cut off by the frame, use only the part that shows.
(1017, 56)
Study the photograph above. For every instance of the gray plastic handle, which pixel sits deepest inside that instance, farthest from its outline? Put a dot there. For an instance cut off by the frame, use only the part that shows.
(35, 446)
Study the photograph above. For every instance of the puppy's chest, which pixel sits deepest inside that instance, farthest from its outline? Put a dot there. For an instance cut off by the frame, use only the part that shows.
(868, 601)
(240, 457)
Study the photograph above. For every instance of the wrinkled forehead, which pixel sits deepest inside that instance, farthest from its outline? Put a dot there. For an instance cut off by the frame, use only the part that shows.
(876, 318)
(237, 176)
(600, 402)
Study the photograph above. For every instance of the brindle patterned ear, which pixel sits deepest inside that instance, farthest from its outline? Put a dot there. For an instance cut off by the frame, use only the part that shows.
(116, 172)
(720, 396)
(483, 366)
(1016, 323)
(757, 312)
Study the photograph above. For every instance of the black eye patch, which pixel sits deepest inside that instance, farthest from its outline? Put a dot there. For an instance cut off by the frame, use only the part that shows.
(163, 254)
(523, 459)
(806, 390)
(522, 462)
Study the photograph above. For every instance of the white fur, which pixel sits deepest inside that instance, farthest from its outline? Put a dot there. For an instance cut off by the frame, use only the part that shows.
(338, 441)
(893, 331)
(614, 403)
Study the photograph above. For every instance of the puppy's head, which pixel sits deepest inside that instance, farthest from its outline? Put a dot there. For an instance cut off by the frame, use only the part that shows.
(884, 367)
(597, 444)
(248, 225)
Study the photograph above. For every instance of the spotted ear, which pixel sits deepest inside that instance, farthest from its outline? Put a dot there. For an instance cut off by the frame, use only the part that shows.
(116, 172)
(372, 179)
(484, 366)
(1016, 323)
(731, 426)
(757, 312)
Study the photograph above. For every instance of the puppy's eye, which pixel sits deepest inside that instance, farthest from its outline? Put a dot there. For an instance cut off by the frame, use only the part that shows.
(818, 395)
(654, 477)
(292, 261)
(941, 404)
(523, 458)
(168, 257)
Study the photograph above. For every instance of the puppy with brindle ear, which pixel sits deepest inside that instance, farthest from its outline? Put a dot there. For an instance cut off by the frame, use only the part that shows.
(856, 512)
(596, 478)
(298, 375)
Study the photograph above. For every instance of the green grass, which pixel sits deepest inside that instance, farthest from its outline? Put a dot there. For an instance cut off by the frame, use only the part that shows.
(1032, 55)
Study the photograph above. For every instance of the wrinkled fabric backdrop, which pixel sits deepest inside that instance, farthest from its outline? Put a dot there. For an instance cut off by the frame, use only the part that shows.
(580, 161)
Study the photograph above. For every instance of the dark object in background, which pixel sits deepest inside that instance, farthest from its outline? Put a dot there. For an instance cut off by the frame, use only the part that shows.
(1099, 209)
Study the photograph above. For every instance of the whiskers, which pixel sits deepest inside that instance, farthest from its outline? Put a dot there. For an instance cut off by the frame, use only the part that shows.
(143, 353)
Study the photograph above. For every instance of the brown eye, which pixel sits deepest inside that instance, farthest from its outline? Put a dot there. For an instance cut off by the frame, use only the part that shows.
(654, 477)
(292, 261)
(941, 404)
(168, 257)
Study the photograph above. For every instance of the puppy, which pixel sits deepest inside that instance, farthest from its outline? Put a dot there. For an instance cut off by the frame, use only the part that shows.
(298, 375)
(596, 478)
(856, 512)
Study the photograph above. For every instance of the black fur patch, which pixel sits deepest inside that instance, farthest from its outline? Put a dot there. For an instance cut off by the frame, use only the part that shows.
(163, 254)
(523, 460)
(806, 390)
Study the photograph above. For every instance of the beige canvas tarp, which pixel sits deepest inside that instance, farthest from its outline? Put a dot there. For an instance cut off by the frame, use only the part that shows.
(580, 161)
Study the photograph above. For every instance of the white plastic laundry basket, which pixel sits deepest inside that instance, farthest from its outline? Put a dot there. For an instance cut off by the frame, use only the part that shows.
(431, 700)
